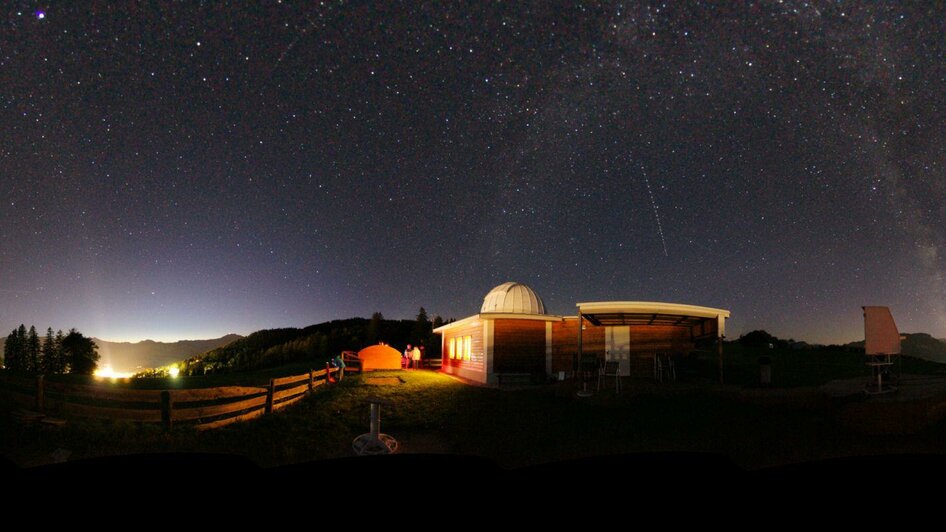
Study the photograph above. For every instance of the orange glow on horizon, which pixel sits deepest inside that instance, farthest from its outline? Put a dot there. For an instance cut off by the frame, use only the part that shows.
(106, 372)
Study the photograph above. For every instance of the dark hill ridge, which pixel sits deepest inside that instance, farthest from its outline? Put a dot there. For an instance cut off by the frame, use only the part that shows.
(132, 356)
(919, 345)
(274, 347)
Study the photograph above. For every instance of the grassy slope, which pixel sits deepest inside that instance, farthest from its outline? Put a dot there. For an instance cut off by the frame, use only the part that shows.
(434, 413)
(806, 367)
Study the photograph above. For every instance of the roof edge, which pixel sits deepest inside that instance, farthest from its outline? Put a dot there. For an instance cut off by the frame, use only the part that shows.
(518, 316)
(650, 307)
(496, 316)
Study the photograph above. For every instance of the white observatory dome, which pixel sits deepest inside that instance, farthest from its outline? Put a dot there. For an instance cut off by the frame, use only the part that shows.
(513, 298)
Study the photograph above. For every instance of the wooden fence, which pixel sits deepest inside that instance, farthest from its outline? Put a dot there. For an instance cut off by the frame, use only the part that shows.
(207, 408)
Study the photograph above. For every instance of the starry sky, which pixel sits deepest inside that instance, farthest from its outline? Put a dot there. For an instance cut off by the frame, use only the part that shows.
(186, 170)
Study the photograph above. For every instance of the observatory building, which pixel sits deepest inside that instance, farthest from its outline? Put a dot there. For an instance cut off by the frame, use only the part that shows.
(513, 335)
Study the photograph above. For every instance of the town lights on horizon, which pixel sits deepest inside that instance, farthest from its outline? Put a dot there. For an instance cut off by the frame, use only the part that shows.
(106, 372)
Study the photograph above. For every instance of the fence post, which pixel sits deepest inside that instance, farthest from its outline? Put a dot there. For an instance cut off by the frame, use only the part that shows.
(328, 373)
(40, 392)
(341, 374)
(269, 396)
(166, 409)
(311, 380)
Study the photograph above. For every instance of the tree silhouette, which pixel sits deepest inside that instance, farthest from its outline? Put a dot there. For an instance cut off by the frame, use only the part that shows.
(22, 360)
(60, 354)
(422, 327)
(50, 359)
(81, 353)
(761, 339)
(33, 350)
(374, 334)
(10, 349)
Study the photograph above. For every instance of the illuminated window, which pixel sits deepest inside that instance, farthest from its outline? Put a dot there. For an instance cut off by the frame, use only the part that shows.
(460, 348)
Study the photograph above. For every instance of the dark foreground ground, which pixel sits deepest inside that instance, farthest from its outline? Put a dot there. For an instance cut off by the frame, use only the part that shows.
(535, 426)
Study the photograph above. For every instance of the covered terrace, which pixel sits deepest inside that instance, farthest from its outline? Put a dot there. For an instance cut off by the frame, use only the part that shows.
(645, 329)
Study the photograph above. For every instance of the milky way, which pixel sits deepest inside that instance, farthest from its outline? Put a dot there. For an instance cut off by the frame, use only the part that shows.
(188, 171)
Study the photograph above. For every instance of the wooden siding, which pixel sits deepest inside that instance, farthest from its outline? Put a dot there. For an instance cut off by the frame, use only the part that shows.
(519, 346)
(477, 360)
(645, 340)
(565, 343)
(648, 339)
(706, 329)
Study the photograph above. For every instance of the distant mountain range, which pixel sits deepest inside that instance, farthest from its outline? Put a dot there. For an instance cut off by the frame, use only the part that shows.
(130, 357)
(127, 356)
(919, 345)
(316, 343)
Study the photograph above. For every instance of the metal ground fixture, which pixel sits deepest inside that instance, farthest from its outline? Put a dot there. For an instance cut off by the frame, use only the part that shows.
(374, 442)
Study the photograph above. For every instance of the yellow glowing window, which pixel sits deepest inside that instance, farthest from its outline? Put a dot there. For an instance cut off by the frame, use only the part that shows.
(467, 346)
(453, 348)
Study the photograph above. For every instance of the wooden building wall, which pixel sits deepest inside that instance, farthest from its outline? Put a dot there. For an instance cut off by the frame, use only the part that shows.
(565, 343)
(648, 339)
(473, 369)
(519, 346)
(645, 340)
(706, 330)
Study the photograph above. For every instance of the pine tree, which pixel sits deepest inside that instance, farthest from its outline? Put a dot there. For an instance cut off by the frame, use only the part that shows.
(22, 357)
(374, 329)
(33, 350)
(81, 353)
(49, 353)
(422, 329)
(10, 349)
(60, 354)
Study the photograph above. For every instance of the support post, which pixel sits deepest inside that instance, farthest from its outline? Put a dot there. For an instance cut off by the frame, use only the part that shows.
(578, 356)
(166, 409)
(40, 394)
(375, 424)
(719, 350)
(311, 380)
(269, 396)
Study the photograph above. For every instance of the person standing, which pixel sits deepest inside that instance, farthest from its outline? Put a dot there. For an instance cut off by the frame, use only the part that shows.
(415, 357)
(406, 357)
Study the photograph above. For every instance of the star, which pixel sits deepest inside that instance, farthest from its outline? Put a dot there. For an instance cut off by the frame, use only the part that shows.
(781, 148)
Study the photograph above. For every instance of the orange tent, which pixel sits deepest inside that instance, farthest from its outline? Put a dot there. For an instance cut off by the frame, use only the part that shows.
(379, 357)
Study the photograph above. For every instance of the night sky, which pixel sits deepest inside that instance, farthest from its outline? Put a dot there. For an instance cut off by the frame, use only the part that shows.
(198, 169)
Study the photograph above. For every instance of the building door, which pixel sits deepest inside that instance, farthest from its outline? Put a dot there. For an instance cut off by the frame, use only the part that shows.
(618, 347)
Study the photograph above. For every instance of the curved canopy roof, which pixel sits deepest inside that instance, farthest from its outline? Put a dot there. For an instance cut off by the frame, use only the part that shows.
(649, 313)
